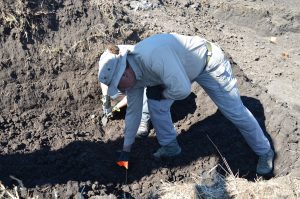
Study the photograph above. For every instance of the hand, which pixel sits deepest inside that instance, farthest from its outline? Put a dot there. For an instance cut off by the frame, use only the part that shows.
(155, 92)
(123, 159)
(115, 109)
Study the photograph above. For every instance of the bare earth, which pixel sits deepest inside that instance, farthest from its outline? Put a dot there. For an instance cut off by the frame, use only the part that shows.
(50, 135)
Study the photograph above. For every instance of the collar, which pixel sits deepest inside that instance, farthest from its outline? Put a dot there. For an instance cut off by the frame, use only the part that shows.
(134, 63)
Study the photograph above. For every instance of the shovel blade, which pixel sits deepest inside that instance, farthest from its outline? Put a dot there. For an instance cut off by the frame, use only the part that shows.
(104, 121)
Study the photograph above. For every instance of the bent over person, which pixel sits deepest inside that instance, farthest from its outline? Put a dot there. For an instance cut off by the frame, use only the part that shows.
(167, 64)
(112, 104)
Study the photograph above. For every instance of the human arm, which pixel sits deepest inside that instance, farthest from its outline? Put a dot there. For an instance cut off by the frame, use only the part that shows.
(121, 103)
(106, 101)
(133, 116)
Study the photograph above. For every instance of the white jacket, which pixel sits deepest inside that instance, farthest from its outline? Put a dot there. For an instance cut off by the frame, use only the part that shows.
(169, 59)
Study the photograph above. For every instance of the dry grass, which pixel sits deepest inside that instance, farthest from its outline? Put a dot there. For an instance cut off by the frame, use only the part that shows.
(17, 16)
(12, 194)
(97, 2)
(233, 187)
(176, 191)
(280, 187)
(6, 194)
(229, 187)
(102, 4)
(15, 192)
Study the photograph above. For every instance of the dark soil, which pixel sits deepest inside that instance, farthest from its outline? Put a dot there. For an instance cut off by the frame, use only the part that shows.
(51, 137)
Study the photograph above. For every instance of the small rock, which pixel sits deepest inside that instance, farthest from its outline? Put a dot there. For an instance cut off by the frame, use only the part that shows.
(54, 194)
(88, 183)
(72, 188)
(30, 74)
(125, 188)
(79, 196)
(285, 55)
(18, 146)
(14, 146)
(146, 185)
(90, 193)
(2, 119)
(125, 3)
(143, 5)
(110, 196)
(135, 187)
(273, 40)
(15, 118)
(126, 19)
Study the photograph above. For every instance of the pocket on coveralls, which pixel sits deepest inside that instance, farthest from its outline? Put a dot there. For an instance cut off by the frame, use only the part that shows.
(160, 105)
(223, 75)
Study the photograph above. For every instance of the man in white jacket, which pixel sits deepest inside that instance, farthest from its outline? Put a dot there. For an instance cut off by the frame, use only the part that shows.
(167, 64)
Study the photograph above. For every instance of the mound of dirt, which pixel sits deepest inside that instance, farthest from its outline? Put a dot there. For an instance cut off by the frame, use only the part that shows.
(51, 140)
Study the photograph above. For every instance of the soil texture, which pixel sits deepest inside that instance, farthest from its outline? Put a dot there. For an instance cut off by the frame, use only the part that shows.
(52, 143)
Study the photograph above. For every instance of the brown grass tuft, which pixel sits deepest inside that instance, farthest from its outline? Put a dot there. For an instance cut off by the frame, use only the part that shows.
(280, 187)
(233, 187)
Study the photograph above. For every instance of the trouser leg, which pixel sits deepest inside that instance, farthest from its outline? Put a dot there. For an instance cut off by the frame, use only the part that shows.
(161, 120)
(145, 113)
(220, 84)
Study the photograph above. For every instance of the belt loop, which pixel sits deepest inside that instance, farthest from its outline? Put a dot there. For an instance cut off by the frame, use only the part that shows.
(209, 51)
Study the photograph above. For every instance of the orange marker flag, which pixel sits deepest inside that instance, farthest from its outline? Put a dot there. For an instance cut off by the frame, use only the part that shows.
(123, 164)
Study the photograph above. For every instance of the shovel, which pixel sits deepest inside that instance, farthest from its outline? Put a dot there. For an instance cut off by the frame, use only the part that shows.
(104, 120)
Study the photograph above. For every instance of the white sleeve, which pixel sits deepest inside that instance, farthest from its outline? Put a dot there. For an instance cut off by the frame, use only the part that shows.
(133, 114)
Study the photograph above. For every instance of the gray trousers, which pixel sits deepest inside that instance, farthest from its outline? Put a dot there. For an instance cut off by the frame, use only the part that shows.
(219, 83)
(145, 112)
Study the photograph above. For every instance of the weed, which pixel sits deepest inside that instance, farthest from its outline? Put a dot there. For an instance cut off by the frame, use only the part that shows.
(25, 21)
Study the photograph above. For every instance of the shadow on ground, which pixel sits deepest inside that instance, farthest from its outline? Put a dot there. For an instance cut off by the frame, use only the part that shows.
(84, 160)
(95, 161)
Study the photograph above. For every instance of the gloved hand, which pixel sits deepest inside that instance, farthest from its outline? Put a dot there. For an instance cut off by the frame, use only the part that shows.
(106, 106)
(155, 92)
(123, 159)
(115, 109)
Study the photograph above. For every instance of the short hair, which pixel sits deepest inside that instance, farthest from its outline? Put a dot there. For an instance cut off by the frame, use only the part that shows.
(113, 49)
